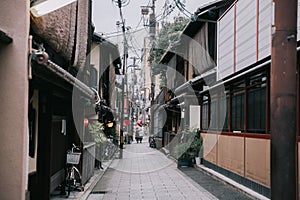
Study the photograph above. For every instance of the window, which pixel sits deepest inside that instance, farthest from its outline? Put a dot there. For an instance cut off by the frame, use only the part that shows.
(205, 111)
(256, 93)
(237, 107)
(213, 114)
(242, 107)
(93, 77)
(223, 111)
(180, 76)
(237, 112)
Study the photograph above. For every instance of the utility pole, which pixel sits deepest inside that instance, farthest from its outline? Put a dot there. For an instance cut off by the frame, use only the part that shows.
(283, 101)
(152, 33)
(152, 21)
(121, 3)
(131, 109)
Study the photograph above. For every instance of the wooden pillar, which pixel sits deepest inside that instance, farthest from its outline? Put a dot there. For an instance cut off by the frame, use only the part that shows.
(283, 101)
(44, 145)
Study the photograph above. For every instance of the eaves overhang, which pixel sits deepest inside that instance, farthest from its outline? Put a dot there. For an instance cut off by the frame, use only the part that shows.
(114, 50)
(169, 53)
(205, 78)
(193, 26)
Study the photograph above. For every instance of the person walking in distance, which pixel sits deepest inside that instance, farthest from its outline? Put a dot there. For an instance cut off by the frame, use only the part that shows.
(139, 132)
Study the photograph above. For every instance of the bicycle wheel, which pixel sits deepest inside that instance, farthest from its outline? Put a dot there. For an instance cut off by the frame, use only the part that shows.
(69, 188)
(77, 180)
(70, 181)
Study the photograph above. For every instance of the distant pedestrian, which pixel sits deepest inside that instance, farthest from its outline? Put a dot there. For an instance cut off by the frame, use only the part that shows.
(139, 132)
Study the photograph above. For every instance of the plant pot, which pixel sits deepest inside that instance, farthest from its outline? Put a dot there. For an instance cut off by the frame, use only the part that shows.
(187, 162)
(197, 159)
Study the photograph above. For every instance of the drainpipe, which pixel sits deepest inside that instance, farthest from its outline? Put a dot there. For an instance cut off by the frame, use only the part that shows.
(283, 100)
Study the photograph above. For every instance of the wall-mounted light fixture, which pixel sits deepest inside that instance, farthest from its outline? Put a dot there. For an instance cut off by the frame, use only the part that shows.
(42, 7)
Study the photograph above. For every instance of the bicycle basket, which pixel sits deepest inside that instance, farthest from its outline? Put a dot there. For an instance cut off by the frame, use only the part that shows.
(73, 158)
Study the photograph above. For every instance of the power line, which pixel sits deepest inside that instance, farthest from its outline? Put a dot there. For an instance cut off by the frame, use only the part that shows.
(159, 18)
(121, 3)
(130, 37)
(120, 33)
(132, 40)
(168, 9)
(182, 9)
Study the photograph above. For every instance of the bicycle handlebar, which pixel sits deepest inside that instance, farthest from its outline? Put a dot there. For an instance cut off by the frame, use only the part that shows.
(75, 147)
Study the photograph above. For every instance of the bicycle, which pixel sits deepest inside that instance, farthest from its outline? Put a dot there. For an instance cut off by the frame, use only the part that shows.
(73, 178)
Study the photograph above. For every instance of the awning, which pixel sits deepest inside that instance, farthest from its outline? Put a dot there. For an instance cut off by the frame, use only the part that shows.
(176, 102)
(177, 99)
(239, 75)
(187, 86)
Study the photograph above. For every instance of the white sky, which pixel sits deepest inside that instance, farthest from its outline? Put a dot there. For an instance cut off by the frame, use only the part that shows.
(106, 14)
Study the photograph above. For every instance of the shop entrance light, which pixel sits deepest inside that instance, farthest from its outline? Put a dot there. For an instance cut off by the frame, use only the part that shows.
(42, 7)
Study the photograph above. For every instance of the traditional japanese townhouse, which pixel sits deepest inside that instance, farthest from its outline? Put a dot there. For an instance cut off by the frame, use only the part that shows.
(161, 119)
(105, 65)
(191, 67)
(235, 112)
(59, 94)
(233, 108)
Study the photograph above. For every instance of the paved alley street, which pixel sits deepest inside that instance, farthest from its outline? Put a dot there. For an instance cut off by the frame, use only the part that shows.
(209, 88)
(146, 173)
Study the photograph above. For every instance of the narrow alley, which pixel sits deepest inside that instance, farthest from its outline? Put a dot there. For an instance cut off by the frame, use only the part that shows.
(146, 173)
(211, 87)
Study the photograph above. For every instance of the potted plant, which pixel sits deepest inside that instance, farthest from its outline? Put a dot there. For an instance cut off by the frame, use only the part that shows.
(96, 131)
(188, 147)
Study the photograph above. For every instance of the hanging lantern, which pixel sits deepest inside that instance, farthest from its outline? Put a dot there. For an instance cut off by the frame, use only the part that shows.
(85, 122)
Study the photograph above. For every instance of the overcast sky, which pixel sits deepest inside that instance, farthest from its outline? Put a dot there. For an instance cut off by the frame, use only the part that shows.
(106, 14)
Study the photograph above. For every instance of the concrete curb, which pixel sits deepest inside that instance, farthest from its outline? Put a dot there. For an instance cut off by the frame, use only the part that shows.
(230, 182)
(92, 182)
